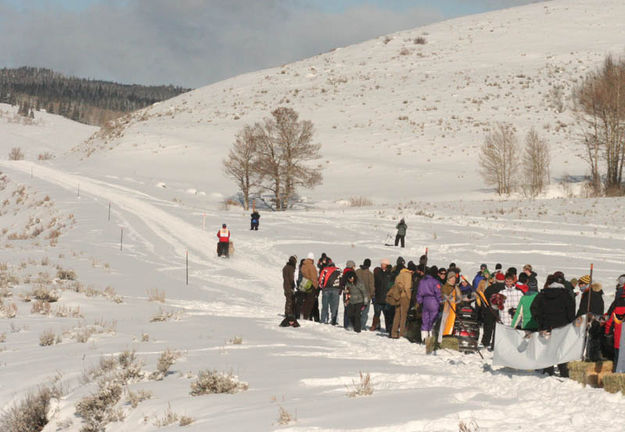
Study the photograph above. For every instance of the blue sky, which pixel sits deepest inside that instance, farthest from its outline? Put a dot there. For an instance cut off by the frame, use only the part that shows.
(197, 42)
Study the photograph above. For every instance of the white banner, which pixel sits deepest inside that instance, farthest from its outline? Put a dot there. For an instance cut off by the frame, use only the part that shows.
(517, 349)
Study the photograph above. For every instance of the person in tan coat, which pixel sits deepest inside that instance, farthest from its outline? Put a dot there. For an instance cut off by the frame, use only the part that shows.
(309, 271)
(404, 283)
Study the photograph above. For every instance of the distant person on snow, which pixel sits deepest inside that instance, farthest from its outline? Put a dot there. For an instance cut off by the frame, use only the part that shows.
(224, 241)
(255, 222)
(401, 233)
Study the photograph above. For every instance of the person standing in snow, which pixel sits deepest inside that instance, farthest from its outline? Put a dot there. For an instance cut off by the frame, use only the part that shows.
(595, 292)
(366, 277)
(479, 276)
(491, 312)
(404, 283)
(329, 279)
(554, 307)
(309, 271)
(383, 279)
(288, 284)
(401, 233)
(532, 282)
(429, 296)
(349, 267)
(513, 296)
(224, 241)
(255, 220)
(358, 295)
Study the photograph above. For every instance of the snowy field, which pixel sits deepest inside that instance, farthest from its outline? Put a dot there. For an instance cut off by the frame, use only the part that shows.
(161, 177)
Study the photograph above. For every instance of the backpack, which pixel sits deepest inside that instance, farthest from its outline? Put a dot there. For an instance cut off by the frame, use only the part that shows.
(329, 279)
(393, 296)
(305, 285)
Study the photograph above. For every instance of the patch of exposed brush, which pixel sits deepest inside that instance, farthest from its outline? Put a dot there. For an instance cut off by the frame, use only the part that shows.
(212, 381)
(363, 387)
(30, 414)
(165, 361)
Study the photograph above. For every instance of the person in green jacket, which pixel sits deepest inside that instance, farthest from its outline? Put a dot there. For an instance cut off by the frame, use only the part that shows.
(523, 317)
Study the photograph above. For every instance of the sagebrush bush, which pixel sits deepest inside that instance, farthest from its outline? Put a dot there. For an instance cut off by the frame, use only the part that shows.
(364, 387)
(156, 295)
(43, 293)
(98, 409)
(165, 361)
(211, 381)
(66, 274)
(47, 338)
(29, 415)
(16, 154)
(135, 398)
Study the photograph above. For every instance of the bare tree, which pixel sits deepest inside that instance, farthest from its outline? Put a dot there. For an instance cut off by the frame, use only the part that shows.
(242, 161)
(535, 163)
(600, 108)
(285, 148)
(499, 162)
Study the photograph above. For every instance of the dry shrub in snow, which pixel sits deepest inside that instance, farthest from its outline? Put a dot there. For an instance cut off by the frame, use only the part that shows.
(7, 310)
(237, 340)
(211, 381)
(98, 409)
(164, 315)
(43, 293)
(135, 398)
(45, 156)
(48, 337)
(66, 274)
(40, 307)
(29, 415)
(360, 202)
(285, 417)
(16, 154)
(420, 40)
(470, 426)
(364, 387)
(3, 337)
(156, 295)
(165, 361)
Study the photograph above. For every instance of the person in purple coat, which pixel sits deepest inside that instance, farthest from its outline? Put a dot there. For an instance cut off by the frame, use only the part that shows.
(429, 297)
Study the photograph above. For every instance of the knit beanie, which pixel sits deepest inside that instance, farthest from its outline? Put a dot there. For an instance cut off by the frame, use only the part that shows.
(366, 263)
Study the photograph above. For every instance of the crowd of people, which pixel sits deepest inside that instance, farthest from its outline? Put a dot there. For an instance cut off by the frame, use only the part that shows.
(416, 301)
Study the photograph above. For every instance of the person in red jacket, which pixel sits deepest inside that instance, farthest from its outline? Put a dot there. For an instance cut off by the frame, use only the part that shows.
(224, 241)
(616, 319)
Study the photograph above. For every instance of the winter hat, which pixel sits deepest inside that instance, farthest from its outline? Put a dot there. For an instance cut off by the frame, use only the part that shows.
(500, 277)
(385, 261)
(450, 275)
(512, 270)
(412, 266)
(401, 261)
(584, 279)
(366, 263)
(310, 256)
(559, 277)
(350, 264)
(423, 259)
(486, 274)
(433, 271)
(452, 266)
(223, 225)
(497, 266)
(483, 267)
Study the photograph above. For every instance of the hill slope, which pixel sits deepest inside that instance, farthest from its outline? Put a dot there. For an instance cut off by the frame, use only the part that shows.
(394, 116)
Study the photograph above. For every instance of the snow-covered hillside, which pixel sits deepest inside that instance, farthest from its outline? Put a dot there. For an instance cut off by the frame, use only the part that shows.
(393, 116)
(81, 288)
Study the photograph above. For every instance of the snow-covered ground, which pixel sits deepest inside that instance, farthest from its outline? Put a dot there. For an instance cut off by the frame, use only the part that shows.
(162, 181)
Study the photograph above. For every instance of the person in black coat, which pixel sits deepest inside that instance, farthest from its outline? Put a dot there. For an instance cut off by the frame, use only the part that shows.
(554, 307)
(597, 307)
(491, 316)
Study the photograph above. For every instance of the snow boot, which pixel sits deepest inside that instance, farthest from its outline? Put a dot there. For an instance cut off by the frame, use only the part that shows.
(375, 325)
